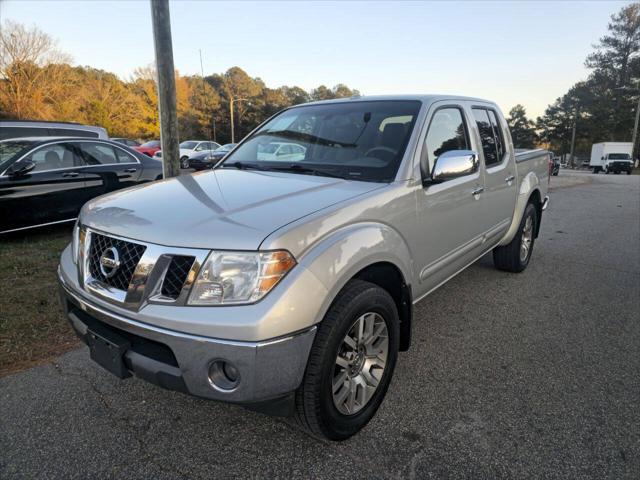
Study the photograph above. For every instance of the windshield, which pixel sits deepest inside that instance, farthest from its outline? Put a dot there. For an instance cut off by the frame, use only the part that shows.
(357, 140)
(10, 149)
(151, 144)
(226, 147)
(619, 156)
(188, 145)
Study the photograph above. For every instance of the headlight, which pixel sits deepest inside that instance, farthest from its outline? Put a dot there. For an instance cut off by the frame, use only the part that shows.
(239, 277)
(77, 241)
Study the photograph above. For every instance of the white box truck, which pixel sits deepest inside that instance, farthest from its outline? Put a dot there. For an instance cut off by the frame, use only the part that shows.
(612, 157)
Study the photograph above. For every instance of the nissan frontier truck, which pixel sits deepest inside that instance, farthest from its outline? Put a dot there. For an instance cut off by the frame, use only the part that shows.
(286, 283)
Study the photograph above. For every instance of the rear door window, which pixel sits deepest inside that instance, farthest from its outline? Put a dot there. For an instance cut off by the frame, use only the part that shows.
(497, 131)
(487, 137)
(97, 153)
(124, 157)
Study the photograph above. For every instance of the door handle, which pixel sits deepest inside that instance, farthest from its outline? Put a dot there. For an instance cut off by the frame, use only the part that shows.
(70, 174)
(131, 170)
(510, 178)
(477, 191)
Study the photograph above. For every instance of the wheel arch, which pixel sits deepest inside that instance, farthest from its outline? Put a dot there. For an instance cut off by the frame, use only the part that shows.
(389, 277)
(373, 252)
(529, 192)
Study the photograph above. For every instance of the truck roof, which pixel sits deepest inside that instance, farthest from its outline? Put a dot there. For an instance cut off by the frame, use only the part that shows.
(425, 98)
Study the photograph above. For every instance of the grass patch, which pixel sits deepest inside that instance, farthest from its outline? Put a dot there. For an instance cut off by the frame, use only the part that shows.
(33, 328)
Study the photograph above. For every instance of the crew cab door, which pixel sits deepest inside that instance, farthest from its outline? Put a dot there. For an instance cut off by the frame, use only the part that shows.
(449, 212)
(499, 196)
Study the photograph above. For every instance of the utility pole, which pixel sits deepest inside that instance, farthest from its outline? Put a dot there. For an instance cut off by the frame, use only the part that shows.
(573, 137)
(635, 133)
(233, 140)
(206, 103)
(166, 87)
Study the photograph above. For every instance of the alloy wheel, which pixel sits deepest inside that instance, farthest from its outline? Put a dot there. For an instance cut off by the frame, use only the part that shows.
(360, 363)
(527, 239)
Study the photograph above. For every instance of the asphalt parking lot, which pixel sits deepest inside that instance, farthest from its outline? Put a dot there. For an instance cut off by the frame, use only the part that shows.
(510, 376)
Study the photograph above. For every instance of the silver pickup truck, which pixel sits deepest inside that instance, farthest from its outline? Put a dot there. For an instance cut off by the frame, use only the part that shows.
(284, 279)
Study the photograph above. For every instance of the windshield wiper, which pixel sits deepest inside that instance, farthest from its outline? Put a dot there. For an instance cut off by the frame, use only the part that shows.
(295, 168)
(242, 166)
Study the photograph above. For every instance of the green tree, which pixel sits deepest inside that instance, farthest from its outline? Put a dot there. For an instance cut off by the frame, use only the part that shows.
(523, 130)
(604, 104)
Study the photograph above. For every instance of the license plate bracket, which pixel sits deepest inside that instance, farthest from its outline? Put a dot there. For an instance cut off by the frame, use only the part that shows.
(107, 350)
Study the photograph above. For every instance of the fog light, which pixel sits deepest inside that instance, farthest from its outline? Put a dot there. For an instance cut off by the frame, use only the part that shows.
(224, 376)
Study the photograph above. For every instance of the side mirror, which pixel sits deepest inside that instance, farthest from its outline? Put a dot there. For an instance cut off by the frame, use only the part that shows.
(21, 168)
(602, 158)
(454, 164)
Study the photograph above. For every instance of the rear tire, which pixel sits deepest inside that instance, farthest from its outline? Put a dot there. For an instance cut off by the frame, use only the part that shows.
(184, 162)
(336, 367)
(514, 257)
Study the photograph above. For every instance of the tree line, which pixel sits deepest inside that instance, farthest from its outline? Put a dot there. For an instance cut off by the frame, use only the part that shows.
(602, 107)
(37, 82)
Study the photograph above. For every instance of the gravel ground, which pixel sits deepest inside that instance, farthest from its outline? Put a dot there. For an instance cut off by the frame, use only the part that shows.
(510, 376)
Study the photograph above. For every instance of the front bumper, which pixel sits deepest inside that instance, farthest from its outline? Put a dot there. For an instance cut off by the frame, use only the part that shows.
(268, 370)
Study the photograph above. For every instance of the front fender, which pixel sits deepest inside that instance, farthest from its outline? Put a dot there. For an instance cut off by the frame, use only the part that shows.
(337, 258)
(530, 183)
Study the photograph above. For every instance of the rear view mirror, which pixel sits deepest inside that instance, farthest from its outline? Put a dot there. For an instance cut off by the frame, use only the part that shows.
(454, 164)
(21, 168)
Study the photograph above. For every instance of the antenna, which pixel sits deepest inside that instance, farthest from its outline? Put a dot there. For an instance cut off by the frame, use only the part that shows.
(206, 103)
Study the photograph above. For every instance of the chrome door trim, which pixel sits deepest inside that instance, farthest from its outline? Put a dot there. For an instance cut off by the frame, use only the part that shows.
(39, 225)
(450, 257)
(93, 140)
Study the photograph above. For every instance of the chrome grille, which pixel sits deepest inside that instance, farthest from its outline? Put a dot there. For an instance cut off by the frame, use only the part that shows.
(176, 275)
(130, 254)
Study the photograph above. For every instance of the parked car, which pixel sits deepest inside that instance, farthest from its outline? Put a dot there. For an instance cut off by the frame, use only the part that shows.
(40, 128)
(148, 148)
(555, 166)
(127, 141)
(191, 147)
(46, 180)
(282, 151)
(289, 286)
(209, 158)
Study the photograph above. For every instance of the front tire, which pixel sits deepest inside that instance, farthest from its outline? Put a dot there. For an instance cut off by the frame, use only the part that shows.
(351, 362)
(514, 257)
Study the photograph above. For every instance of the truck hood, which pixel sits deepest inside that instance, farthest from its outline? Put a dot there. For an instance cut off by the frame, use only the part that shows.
(220, 209)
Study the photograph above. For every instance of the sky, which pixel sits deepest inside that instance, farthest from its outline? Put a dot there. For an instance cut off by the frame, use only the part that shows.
(527, 52)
